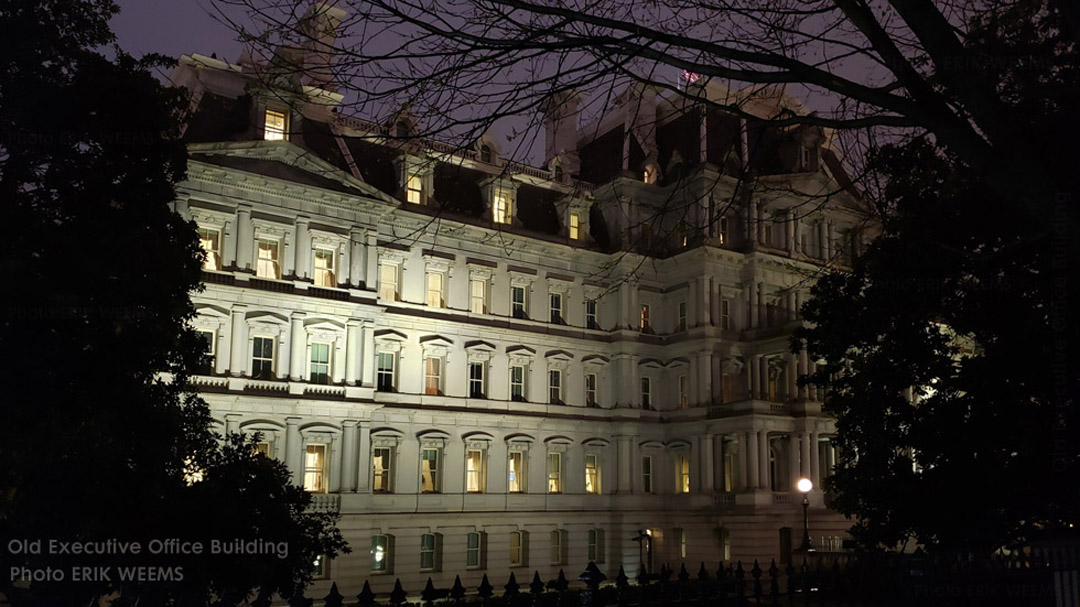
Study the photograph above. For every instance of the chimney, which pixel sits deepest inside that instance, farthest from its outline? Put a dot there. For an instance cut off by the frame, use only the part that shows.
(561, 113)
(319, 30)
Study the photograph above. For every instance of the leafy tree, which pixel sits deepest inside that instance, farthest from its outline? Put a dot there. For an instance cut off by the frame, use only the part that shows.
(99, 433)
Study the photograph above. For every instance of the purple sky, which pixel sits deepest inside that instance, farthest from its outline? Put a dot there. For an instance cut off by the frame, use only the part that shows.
(172, 27)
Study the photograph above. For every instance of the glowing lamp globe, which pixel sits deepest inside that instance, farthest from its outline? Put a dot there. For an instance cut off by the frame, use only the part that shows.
(804, 485)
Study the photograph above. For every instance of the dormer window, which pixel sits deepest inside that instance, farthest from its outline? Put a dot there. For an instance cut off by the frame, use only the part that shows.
(558, 173)
(485, 153)
(401, 129)
(500, 193)
(275, 125)
(575, 226)
(501, 208)
(414, 190)
(652, 173)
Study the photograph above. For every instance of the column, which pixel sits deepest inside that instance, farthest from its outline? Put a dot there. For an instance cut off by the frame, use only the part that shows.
(704, 377)
(693, 303)
(238, 347)
(815, 469)
(228, 244)
(357, 262)
(635, 384)
(799, 299)
(294, 447)
(245, 238)
(625, 456)
(752, 454)
(372, 258)
(751, 311)
(763, 459)
(804, 451)
(761, 311)
(740, 483)
(751, 377)
(812, 368)
(761, 225)
(792, 307)
(337, 463)
(624, 305)
(298, 342)
(352, 351)
(705, 301)
(348, 455)
(302, 251)
(363, 458)
(763, 377)
(793, 461)
(368, 356)
(830, 236)
(792, 374)
(232, 423)
(792, 232)
(822, 240)
(707, 451)
(804, 391)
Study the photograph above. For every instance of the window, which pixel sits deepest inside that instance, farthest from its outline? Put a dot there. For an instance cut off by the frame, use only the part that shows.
(596, 546)
(206, 362)
(501, 208)
(315, 468)
(558, 173)
(592, 473)
(558, 547)
(210, 241)
(556, 308)
(725, 314)
(388, 281)
(575, 226)
(515, 472)
(401, 129)
(476, 380)
(555, 387)
(435, 296)
(414, 189)
(474, 550)
(385, 379)
(429, 471)
(324, 268)
(590, 390)
(474, 471)
(725, 543)
(322, 568)
(381, 462)
(519, 548)
(262, 358)
(680, 537)
(682, 316)
(478, 296)
(432, 375)
(517, 383)
(268, 266)
(429, 552)
(645, 326)
(275, 125)
(682, 392)
(729, 470)
(646, 393)
(320, 363)
(485, 153)
(684, 474)
(263, 448)
(723, 230)
(554, 473)
(646, 474)
(590, 314)
(381, 554)
(518, 309)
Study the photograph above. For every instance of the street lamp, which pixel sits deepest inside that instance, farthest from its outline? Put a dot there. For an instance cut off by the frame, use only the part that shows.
(805, 485)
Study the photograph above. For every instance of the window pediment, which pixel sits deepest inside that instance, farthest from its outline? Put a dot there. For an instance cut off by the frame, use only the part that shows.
(595, 360)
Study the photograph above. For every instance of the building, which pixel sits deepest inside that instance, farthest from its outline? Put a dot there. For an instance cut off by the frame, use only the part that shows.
(489, 367)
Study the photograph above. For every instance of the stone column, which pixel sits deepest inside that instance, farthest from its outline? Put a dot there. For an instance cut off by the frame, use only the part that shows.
(741, 466)
(238, 347)
(751, 376)
(752, 309)
(763, 377)
(625, 317)
(353, 344)
(793, 461)
(815, 468)
(804, 391)
(337, 464)
(762, 310)
(707, 453)
(228, 244)
(792, 231)
(705, 301)
(371, 256)
(357, 262)
(635, 384)
(792, 374)
(302, 253)
(349, 456)
(763, 459)
(363, 458)
(625, 454)
(298, 341)
(822, 240)
(804, 459)
(753, 451)
(245, 238)
(693, 303)
(367, 365)
(232, 423)
(294, 450)
(704, 377)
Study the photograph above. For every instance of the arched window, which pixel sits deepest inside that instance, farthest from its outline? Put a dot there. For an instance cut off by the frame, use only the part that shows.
(774, 470)
(558, 547)
(401, 129)
(382, 553)
(429, 552)
(519, 548)
(485, 153)
(474, 550)
(558, 173)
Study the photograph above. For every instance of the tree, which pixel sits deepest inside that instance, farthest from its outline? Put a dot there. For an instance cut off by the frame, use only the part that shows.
(101, 437)
(965, 109)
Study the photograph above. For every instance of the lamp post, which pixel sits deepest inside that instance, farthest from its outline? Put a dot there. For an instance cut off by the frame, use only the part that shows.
(804, 486)
(641, 538)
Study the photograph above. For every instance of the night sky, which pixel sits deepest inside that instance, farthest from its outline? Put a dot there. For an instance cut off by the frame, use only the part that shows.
(172, 27)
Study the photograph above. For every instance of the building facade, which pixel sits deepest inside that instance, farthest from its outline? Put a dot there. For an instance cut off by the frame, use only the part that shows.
(488, 367)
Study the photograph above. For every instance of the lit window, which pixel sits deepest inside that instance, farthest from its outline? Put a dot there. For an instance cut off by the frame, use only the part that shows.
(263, 448)
(650, 174)
(684, 474)
(276, 125)
(476, 380)
(590, 390)
(557, 547)
(555, 387)
(725, 314)
(429, 471)
(596, 546)
(381, 554)
(680, 537)
(683, 401)
(269, 253)
(474, 471)
(388, 281)
(592, 473)
(515, 467)
(414, 190)
(645, 326)
(575, 226)
(556, 308)
(435, 295)
(315, 468)
(432, 375)
(723, 231)
(517, 383)
(428, 551)
(324, 268)
(554, 473)
(646, 393)
(262, 358)
(322, 568)
(320, 363)
(381, 462)
(646, 474)
(590, 314)
(517, 302)
(478, 296)
(473, 550)
(682, 316)
(210, 241)
(501, 208)
(518, 548)
(206, 362)
(385, 379)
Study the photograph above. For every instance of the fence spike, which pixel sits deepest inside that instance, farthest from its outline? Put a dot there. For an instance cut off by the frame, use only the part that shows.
(511, 588)
(702, 573)
(334, 598)
(537, 585)
(398, 594)
(621, 580)
(485, 588)
(366, 598)
(457, 591)
(297, 599)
